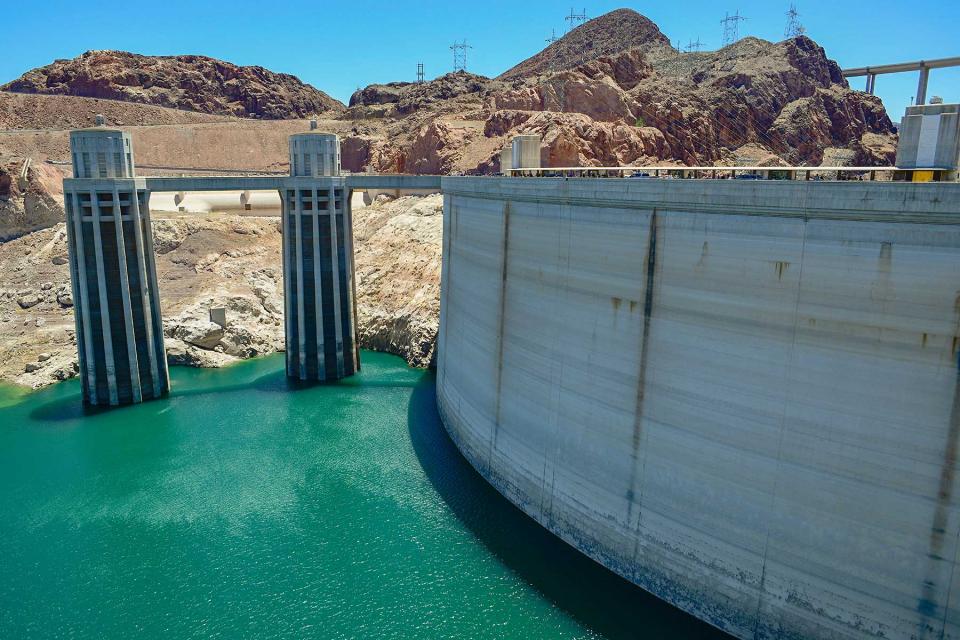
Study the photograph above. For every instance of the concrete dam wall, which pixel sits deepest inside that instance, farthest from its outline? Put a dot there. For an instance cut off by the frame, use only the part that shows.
(741, 396)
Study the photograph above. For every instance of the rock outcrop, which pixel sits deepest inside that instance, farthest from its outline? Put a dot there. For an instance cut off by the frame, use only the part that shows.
(192, 83)
(617, 31)
(34, 204)
(398, 276)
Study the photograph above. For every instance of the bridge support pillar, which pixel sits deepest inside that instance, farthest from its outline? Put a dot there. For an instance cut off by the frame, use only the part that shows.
(318, 272)
(113, 275)
(922, 86)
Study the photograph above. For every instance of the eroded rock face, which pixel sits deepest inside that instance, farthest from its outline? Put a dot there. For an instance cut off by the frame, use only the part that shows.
(193, 83)
(436, 148)
(36, 205)
(398, 276)
(787, 98)
(616, 31)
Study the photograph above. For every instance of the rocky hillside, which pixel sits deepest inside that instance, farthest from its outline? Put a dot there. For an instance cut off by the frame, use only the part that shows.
(617, 31)
(38, 111)
(614, 92)
(232, 262)
(191, 83)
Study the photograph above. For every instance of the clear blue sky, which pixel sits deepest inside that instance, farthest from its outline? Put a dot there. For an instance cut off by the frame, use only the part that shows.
(340, 46)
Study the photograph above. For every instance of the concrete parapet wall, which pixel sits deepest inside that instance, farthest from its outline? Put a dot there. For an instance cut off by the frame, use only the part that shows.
(743, 397)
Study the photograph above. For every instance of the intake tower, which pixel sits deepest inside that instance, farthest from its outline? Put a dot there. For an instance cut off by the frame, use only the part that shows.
(112, 271)
(318, 274)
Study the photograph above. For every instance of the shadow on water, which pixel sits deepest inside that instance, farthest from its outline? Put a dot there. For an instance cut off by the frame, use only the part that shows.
(64, 409)
(596, 597)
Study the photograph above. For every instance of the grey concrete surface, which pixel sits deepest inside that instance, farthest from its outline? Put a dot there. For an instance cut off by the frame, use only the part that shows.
(357, 181)
(742, 396)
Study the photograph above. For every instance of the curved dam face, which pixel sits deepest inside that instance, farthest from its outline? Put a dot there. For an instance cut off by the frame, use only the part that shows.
(741, 396)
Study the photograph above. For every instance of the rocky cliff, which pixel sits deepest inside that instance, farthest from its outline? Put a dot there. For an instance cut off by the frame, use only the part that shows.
(31, 196)
(192, 83)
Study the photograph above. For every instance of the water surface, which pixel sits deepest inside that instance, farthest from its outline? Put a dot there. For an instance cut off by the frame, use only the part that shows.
(243, 506)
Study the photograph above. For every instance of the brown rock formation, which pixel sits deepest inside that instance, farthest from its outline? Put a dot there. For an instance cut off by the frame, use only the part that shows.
(192, 83)
(613, 32)
(31, 206)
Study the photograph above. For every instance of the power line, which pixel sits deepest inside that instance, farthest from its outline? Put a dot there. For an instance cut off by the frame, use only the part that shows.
(460, 55)
(731, 28)
(693, 47)
(575, 19)
(794, 28)
(553, 37)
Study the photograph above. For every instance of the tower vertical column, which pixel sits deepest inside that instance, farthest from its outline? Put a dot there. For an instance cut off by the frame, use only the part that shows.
(112, 271)
(318, 262)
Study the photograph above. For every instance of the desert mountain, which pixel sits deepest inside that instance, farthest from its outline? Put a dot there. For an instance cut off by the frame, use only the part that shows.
(614, 92)
(192, 83)
(611, 33)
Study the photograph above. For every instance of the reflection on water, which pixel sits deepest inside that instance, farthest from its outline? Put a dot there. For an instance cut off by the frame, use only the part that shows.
(245, 506)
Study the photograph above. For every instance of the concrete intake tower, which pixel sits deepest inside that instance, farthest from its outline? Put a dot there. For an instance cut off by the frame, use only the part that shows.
(318, 276)
(112, 271)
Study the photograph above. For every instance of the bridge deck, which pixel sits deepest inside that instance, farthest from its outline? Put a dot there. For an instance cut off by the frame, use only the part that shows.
(357, 182)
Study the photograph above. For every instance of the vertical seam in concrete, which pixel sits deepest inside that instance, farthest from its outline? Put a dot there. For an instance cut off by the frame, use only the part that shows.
(649, 282)
(335, 279)
(317, 287)
(504, 267)
(944, 493)
(90, 365)
(301, 338)
(783, 428)
(285, 214)
(348, 239)
(565, 241)
(445, 268)
(133, 362)
(145, 299)
(156, 312)
(109, 365)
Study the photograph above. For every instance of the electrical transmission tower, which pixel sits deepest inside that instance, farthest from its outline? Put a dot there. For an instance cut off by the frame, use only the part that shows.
(794, 28)
(419, 73)
(731, 27)
(693, 47)
(553, 37)
(575, 19)
(460, 55)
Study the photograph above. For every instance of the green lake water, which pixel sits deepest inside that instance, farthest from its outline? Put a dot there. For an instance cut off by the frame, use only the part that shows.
(245, 507)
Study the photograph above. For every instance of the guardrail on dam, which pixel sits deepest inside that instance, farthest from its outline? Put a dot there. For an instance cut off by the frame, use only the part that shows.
(742, 396)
